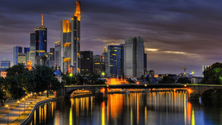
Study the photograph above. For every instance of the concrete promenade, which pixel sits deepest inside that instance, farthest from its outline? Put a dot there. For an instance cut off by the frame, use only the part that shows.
(10, 114)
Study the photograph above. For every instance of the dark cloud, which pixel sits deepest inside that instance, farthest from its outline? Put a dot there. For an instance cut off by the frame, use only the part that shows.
(192, 27)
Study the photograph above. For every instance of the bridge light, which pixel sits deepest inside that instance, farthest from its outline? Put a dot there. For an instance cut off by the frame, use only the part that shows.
(145, 85)
(185, 85)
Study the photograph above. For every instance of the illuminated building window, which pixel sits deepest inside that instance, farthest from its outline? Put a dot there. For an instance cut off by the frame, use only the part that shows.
(74, 38)
(87, 58)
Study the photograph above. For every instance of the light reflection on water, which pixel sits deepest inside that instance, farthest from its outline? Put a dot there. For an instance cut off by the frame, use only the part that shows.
(157, 108)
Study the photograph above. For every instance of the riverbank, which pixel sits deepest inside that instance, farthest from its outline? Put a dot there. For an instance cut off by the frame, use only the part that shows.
(21, 111)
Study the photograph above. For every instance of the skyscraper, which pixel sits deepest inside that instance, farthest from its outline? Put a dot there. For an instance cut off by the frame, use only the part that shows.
(70, 42)
(86, 61)
(27, 52)
(134, 57)
(51, 57)
(16, 50)
(57, 58)
(121, 61)
(98, 64)
(38, 42)
(105, 60)
(113, 60)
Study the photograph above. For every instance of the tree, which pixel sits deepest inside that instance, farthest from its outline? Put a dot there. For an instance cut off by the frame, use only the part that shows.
(15, 80)
(213, 74)
(183, 80)
(69, 79)
(2, 90)
(167, 79)
(41, 78)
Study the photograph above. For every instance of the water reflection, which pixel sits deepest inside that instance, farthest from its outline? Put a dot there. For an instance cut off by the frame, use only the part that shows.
(157, 108)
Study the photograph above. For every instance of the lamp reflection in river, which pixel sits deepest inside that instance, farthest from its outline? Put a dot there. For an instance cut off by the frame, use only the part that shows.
(116, 104)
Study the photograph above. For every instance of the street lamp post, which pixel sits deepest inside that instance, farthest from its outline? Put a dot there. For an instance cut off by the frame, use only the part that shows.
(19, 107)
(8, 114)
(24, 103)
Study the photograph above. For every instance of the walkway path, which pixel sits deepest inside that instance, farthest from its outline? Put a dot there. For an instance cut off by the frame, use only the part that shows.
(17, 111)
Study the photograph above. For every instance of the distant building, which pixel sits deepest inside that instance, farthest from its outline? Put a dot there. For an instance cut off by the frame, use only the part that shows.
(27, 52)
(52, 57)
(41, 60)
(22, 58)
(70, 42)
(134, 57)
(196, 80)
(5, 64)
(205, 67)
(145, 62)
(3, 74)
(86, 61)
(16, 50)
(57, 54)
(113, 60)
(105, 60)
(121, 61)
(38, 43)
(98, 64)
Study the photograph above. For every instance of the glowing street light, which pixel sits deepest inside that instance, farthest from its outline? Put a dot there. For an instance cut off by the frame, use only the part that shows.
(24, 103)
(19, 107)
(7, 106)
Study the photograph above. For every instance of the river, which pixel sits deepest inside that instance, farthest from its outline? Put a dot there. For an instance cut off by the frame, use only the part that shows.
(156, 108)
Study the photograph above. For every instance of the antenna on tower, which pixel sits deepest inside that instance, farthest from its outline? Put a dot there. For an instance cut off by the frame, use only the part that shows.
(42, 19)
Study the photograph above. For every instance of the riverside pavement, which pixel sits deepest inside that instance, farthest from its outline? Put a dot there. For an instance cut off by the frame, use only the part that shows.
(17, 111)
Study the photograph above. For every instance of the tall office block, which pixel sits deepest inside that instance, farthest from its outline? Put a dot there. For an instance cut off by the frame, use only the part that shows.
(134, 57)
(113, 60)
(27, 52)
(57, 54)
(16, 50)
(51, 57)
(105, 60)
(5, 64)
(22, 58)
(38, 43)
(145, 62)
(98, 64)
(121, 61)
(70, 42)
(86, 61)
(33, 48)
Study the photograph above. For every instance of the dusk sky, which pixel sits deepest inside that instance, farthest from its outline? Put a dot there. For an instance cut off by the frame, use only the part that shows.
(176, 33)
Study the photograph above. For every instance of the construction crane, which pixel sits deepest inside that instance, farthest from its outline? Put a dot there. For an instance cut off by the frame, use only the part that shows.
(184, 68)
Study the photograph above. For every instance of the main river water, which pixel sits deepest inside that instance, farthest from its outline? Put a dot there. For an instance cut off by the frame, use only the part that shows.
(156, 108)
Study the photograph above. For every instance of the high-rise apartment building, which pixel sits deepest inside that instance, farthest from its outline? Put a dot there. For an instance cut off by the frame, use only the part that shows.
(38, 43)
(70, 42)
(16, 51)
(57, 54)
(134, 57)
(105, 60)
(5, 64)
(86, 61)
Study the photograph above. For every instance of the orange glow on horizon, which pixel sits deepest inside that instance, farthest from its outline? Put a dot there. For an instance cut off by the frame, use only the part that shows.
(115, 81)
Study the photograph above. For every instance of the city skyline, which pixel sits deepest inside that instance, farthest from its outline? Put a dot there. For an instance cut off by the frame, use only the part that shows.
(176, 33)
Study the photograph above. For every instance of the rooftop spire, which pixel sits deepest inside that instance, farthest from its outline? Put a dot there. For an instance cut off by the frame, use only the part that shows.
(78, 10)
(42, 19)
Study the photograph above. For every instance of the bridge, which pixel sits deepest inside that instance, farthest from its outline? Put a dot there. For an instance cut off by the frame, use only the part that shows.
(194, 90)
